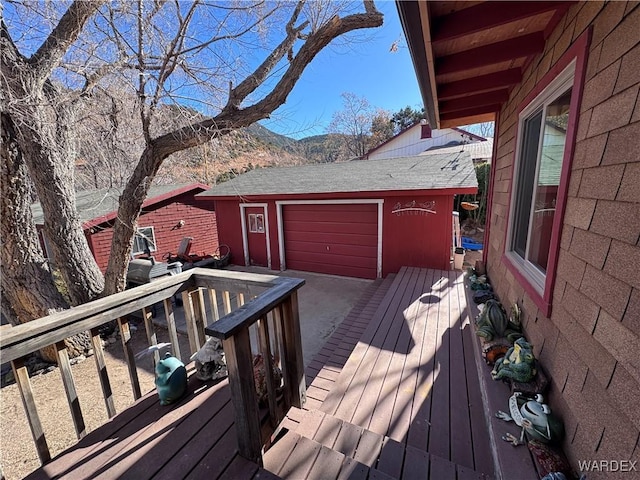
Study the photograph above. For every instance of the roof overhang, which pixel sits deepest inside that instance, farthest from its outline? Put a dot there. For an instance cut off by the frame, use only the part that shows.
(468, 55)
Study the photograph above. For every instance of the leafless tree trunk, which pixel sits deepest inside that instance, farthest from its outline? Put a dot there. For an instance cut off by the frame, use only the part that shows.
(28, 290)
(42, 122)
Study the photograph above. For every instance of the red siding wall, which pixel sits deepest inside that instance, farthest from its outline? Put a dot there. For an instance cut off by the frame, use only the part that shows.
(417, 239)
(200, 223)
(409, 239)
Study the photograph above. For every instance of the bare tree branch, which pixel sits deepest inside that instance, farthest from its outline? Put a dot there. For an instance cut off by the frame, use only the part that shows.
(48, 56)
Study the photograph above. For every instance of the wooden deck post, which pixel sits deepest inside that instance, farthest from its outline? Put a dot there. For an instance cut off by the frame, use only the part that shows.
(295, 388)
(237, 351)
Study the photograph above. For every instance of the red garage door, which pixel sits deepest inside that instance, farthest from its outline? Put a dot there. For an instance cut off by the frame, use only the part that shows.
(339, 239)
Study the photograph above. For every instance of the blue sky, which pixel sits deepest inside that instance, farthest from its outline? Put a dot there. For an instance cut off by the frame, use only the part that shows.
(364, 67)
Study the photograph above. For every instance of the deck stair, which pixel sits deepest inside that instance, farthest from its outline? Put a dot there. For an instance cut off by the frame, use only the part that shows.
(314, 445)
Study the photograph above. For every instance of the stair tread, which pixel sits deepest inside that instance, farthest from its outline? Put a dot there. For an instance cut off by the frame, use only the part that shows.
(324, 447)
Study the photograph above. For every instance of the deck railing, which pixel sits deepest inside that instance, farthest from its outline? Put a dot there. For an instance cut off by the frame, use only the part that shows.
(267, 324)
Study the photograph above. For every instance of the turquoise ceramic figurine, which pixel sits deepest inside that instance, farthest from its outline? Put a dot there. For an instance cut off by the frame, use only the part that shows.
(171, 379)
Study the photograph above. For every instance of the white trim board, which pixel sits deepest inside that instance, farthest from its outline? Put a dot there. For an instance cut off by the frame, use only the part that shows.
(279, 219)
(245, 240)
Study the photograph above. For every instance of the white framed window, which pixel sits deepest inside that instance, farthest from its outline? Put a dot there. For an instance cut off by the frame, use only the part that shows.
(256, 223)
(536, 182)
(144, 236)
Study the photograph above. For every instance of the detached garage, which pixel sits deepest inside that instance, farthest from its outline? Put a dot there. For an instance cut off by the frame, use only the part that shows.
(364, 218)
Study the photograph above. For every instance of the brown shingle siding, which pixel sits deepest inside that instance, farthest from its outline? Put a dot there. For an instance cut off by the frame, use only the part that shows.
(618, 220)
(588, 153)
(623, 145)
(563, 42)
(600, 87)
(590, 247)
(614, 112)
(579, 212)
(601, 182)
(581, 308)
(608, 292)
(620, 40)
(631, 318)
(624, 390)
(608, 19)
(622, 263)
(622, 343)
(630, 186)
(629, 68)
(588, 11)
(571, 268)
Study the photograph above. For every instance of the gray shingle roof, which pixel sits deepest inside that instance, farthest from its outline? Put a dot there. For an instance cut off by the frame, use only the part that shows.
(422, 172)
(96, 203)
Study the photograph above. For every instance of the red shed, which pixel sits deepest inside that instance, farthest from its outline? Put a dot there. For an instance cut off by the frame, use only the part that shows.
(363, 218)
(169, 214)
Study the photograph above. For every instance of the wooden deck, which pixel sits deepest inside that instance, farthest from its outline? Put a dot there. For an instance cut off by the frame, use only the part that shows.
(395, 393)
(407, 402)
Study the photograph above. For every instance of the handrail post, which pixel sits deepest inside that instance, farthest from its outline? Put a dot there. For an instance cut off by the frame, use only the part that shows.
(295, 387)
(237, 349)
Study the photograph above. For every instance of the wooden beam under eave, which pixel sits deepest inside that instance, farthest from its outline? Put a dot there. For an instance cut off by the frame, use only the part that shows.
(470, 120)
(493, 53)
(474, 101)
(485, 16)
(483, 83)
(470, 112)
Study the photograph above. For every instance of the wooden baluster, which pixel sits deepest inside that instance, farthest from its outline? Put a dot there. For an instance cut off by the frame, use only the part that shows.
(265, 350)
(274, 322)
(125, 336)
(237, 351)
(200, 315)
(240, 299)
(70, 389)
(187, 305)
(295, 388)
(152, 337)
(278, 319)
(226, 299)
(21, 375)
(98, 355)
(213, 298)
(171, 325)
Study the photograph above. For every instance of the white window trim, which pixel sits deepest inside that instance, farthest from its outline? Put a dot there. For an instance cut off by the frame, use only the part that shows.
(245, 230)
(153, 247)
(279, 204)
(556, 87)
(256, 230)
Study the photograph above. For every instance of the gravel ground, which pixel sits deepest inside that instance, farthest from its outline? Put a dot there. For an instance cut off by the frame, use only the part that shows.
(18, 455)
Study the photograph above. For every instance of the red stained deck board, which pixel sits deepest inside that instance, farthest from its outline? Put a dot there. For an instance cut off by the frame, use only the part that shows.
(439, 433)
(416, 464)
(347, 440)
(391, 457)
(327, 465)
(301, 459)
(418, 435)
(388, 397)
(461, 441)
(275, 458)
(409, 393)
(345, 398)
(353, 470)
(442, 469)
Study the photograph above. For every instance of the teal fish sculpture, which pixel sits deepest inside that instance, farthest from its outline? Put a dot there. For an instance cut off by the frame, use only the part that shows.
(171, 379)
